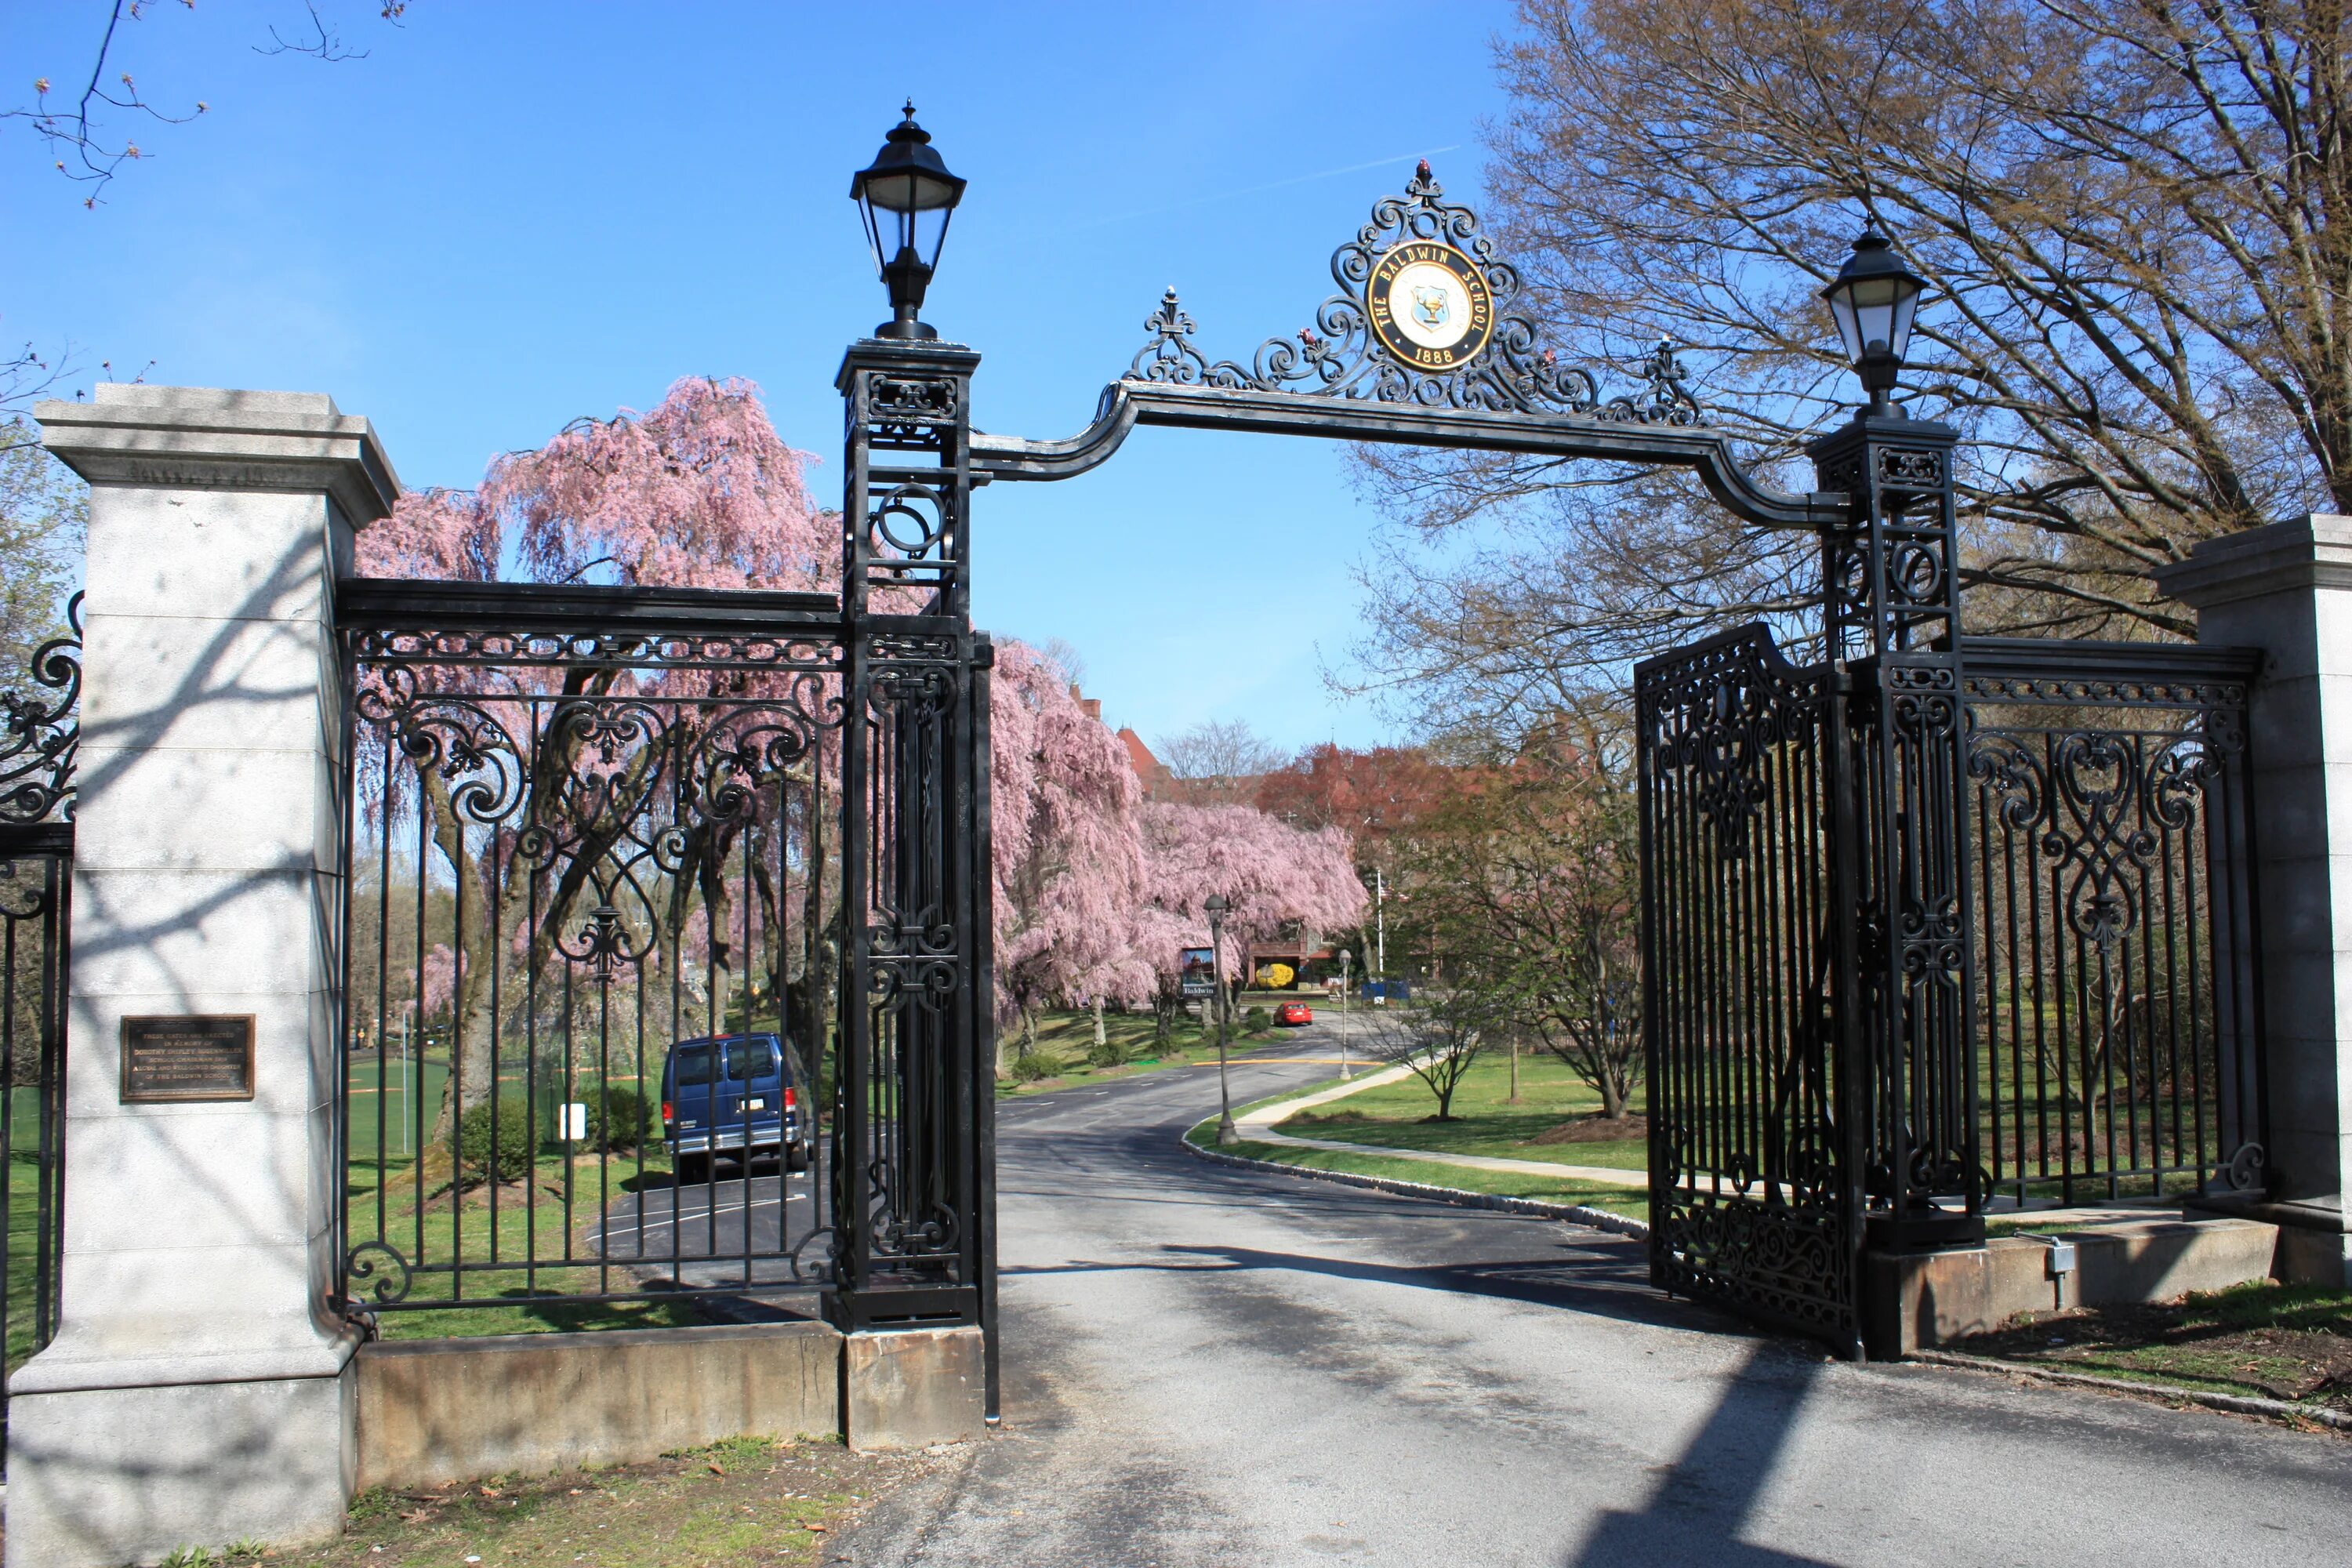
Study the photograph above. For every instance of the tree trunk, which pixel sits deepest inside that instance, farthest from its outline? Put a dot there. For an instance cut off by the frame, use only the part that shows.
(474, 1054)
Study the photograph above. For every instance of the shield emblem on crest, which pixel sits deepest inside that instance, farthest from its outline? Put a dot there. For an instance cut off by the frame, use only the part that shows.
(1429, 306)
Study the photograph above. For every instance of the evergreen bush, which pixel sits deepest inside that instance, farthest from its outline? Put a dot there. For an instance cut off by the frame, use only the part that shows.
(510, 1160)
(618, 1117)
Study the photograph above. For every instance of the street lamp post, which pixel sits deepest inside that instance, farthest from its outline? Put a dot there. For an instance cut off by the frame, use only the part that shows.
(911, 1129)
(906, 197)
(1891, 577)
(1346, 959)
(1874, 298)
(1215, 908)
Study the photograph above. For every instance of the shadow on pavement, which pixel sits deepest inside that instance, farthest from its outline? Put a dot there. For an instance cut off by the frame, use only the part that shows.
(1700, 1505)
(1606, 1278)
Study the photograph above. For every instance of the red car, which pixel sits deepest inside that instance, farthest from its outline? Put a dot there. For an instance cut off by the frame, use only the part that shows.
(1292, 1014)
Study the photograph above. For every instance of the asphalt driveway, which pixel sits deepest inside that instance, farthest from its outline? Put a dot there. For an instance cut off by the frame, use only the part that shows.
(1213, 1366)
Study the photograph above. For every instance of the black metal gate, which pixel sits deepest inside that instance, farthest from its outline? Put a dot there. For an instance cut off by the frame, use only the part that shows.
(1749, 917)
(591, 828)
(1932, 934)
(39, 731)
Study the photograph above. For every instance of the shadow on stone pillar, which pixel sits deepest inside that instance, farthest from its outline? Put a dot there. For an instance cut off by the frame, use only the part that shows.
(199, 1391)
(2287, 590)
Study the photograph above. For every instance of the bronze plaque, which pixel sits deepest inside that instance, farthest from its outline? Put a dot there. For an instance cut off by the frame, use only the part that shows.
(166, 1061)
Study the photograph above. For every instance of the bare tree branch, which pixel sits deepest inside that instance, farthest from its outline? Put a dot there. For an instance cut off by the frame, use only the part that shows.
(2136, 216)
(86, 148)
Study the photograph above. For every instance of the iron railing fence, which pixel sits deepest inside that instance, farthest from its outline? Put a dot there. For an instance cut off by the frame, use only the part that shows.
(588, 828)
(36, 892)
(2116, 1012)
(40, 728)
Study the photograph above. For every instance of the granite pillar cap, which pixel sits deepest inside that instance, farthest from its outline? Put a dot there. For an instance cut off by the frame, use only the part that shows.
(2306, 554)
(211, 439)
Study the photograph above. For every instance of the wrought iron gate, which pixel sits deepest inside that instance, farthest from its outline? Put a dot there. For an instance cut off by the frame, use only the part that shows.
(591, 828)
(39, 732)
(1748, 918)
(2006, 960)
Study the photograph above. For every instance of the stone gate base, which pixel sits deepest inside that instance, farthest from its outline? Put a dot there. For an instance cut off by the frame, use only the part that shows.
(1917, 1300)
(129, 1474)
(433, 1411)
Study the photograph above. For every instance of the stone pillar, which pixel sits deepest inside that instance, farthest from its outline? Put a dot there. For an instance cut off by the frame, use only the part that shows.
(199, 1389)
(2287, 590)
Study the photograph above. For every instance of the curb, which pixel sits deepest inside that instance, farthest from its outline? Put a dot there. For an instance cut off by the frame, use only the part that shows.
(2235, 1404)
(1574, 1214)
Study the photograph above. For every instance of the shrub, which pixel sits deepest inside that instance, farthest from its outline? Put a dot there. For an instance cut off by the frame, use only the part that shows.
(1106, 1055)
(618, 1117)
(1256, 1021)
(510, 1160)
(1031, 1065)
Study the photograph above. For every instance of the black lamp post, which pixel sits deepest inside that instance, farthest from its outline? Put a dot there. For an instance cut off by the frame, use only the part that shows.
(906, 197)
(1874, 297)
(1216, 909)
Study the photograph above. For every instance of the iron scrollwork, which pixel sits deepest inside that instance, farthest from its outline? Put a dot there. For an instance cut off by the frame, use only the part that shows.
(40, 733)
(906, 412)
(2118, 998)
(1717, 716)
(1340, 357)
(1903, 467)
(365, 1262)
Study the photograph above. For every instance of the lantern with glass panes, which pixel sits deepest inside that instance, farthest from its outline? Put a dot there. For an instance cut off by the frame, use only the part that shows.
(907, 195)
(1874, 298)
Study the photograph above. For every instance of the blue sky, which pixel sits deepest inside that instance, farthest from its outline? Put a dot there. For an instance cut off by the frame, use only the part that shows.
(512, 215)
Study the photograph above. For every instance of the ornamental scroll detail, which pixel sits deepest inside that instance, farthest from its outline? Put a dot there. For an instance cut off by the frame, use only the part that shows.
(1340, 357)
(1720, 720)
(40, 731)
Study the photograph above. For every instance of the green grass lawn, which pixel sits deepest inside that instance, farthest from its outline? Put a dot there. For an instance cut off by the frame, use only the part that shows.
(2263, 1339)
(744, 1501)
(530, 1223)
(1486, 1120)
(23, 1254)
(1398, 1107)
(1625, 1201)
(1064, 1038)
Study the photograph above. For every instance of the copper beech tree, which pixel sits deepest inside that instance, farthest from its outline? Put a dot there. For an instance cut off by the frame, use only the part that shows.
(1526, 880)
(2137, 219)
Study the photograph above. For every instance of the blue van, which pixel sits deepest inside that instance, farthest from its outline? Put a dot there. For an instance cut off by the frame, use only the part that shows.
(737, 1094)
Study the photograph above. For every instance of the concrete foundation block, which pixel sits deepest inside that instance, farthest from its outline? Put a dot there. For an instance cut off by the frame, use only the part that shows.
(2314, 1258)
(1917, 1300)
(1914, 1300)
(2157, 1260)
(437, 1411)
(102, 1477)
(913, 1388)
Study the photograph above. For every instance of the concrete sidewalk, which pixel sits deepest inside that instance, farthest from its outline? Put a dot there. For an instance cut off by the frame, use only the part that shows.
(1258, 1126)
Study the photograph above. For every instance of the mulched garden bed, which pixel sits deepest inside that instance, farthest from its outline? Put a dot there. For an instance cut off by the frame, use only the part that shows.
(2272, 1342)
(1596, 1130)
